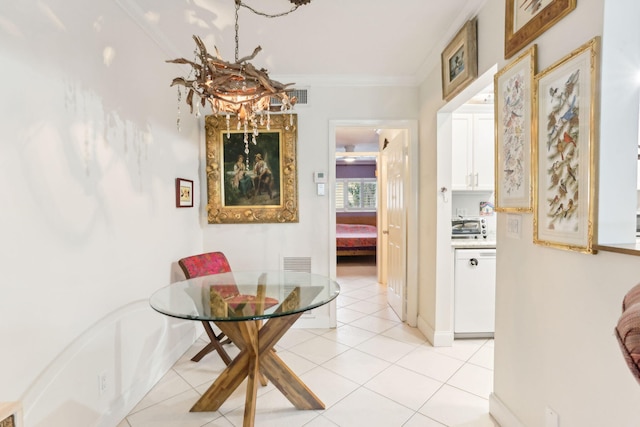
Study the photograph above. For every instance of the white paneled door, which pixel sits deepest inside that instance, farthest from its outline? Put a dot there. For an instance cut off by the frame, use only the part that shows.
(394, 161)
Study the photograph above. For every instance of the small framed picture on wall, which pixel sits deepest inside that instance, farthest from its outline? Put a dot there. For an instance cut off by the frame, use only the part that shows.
(184, 193)
(460, 61)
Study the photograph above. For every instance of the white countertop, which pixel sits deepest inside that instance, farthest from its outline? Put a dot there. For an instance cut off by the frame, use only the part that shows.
(473, 243)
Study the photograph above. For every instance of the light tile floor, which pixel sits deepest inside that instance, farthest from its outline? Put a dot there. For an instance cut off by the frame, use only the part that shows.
(372, 370)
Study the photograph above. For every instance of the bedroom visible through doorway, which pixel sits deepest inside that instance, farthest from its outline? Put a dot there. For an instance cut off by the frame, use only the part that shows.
(356, 195)
(403, 135)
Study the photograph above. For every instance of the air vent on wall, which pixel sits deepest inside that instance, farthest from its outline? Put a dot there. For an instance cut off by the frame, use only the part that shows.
(300, 94)
(301, 264)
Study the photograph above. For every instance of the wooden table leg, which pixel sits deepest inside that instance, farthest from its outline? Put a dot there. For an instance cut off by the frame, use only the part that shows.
(263, 379)
(288, 383)
(257, 357)
(249, 331)
(224, 385)
(277, 371)
(260, 298)
(245, 336)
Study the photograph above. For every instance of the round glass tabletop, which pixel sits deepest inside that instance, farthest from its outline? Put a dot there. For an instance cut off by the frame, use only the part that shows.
(244, 295)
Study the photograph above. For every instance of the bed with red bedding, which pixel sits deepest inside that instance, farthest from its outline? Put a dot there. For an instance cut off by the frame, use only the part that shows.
(356, 239)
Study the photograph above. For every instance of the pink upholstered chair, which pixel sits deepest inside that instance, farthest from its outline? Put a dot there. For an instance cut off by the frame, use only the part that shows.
(214, 263)
(628, 330)
(202, 265)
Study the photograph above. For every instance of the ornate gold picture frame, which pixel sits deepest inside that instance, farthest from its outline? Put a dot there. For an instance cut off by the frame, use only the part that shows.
(513, 89)
(566, 100)
(460, 61)
(247, 182)
(525, 21)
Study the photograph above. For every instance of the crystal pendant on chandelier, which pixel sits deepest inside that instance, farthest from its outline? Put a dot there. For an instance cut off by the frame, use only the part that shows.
(237, 88)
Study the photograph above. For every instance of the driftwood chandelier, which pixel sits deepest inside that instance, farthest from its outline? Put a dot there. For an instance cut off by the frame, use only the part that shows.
(237, 88)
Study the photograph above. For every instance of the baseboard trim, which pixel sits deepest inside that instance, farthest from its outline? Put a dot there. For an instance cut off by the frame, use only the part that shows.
(501, 413)
(437, 339)
(426, 329)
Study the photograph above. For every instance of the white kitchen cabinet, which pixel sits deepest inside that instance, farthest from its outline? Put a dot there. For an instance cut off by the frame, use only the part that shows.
(472, 151)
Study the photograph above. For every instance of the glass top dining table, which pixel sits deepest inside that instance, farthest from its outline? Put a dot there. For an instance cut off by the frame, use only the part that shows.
(235, 296)
(238, 303)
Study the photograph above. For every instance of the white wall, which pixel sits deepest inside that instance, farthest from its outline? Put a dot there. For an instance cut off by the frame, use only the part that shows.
(88, 157)
(556, 310)
(435, 303)
(262, 246)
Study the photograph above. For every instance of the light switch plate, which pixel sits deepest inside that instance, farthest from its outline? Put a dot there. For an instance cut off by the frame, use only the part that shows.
(514, 226)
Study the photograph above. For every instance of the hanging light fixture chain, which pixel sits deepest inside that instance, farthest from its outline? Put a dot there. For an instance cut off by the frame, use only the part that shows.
(238, 3)
(267, 15)
(257, 12)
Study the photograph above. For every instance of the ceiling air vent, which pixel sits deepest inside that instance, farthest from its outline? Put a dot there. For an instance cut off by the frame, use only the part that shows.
(300, 94)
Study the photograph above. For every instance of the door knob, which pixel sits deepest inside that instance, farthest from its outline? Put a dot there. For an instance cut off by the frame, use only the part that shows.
(473, 262)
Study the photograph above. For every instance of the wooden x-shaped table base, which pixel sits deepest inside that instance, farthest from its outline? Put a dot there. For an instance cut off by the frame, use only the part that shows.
(257, 357)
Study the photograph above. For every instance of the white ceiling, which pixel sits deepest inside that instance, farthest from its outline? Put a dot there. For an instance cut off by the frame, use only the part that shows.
(360, 138)
(344, 41)
(353, 42)
(377, 40)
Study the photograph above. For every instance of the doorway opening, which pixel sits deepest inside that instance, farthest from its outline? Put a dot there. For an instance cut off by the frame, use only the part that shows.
(364, 200)
(356, 195)
(468, 200)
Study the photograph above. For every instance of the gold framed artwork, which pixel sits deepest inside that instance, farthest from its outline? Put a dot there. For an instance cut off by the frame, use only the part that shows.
(184, 193)
(460, 61)
(251, 182)
(513, 90)
(526, 20)
(566, 100)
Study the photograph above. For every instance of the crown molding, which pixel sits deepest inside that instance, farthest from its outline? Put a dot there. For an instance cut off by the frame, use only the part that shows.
(338, 80)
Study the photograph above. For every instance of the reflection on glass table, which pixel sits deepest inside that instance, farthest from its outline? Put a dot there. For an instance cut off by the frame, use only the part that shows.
(238, 303)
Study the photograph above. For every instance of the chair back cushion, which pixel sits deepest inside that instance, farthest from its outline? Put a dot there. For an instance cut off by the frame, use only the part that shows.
(214, 263)
(628, 330)
(204, 264)
(209, 263)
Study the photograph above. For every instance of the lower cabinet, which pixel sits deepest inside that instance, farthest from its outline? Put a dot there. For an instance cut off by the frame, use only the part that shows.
(474, 292)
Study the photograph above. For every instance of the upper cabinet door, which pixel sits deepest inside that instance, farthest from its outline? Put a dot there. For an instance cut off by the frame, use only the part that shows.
(461, 151)
(472, 151)
(483, 151)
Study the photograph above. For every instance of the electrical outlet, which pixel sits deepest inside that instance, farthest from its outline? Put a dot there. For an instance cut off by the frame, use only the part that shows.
(550, 418)
(102, 383)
